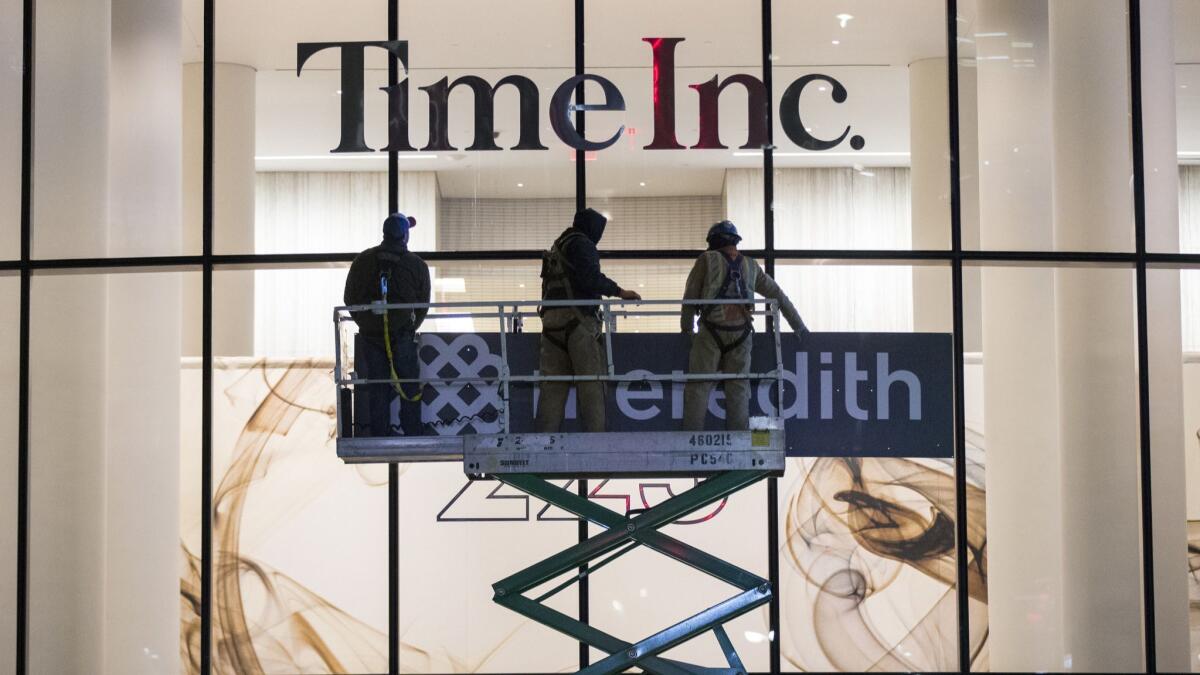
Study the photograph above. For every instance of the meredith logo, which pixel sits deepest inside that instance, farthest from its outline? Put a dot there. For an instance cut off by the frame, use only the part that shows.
(662, 51)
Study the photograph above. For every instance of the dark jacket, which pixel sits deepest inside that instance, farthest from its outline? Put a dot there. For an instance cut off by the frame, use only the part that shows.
(587, 281)
(408, 282)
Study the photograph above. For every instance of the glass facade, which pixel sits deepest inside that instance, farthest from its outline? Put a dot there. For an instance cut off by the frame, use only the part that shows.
(1023, 175)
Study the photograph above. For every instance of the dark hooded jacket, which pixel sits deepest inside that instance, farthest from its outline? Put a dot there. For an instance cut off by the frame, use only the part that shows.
(587, 281)
(408, 282)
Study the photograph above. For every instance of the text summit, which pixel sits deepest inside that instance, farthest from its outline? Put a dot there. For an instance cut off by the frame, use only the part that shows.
(353, 137)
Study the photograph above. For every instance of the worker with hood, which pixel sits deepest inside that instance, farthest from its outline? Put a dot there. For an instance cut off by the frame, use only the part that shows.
(571, 342)
(724, 339)
(386, 348)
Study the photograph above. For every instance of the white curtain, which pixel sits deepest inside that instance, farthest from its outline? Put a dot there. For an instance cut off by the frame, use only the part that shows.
(823, 208)
(815, 208)
(321, 212)
(1189, 242)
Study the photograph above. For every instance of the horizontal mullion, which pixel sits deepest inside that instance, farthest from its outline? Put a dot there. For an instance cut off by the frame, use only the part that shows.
(849, 256)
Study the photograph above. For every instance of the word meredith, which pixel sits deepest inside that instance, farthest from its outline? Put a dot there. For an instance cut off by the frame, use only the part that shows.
(353, 137)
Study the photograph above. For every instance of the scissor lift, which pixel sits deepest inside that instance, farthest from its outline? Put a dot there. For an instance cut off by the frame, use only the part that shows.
(728, 460)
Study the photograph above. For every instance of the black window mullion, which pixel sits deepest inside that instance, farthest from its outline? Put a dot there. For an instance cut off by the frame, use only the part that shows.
(393, 31)
(581, 487)
(1139, 223)
(962, 578)
(206, 412)
(768, 196)
(27, 82)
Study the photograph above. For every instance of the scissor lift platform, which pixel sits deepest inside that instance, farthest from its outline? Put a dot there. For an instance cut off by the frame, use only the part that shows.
(728, 461)
(583, 455)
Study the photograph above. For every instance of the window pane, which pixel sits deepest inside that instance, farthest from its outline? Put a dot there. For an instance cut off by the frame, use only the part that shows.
(11, 44)
(1052, 402)
(1044, 125)
(106, 417)
(851, 602)
(848, 175)
(666, 179)
(107, 173)
(300, 539)
(10, 306)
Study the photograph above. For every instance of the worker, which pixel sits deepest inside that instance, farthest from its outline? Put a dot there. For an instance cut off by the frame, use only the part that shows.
(387, 349)
(723, 344)
(571, 342)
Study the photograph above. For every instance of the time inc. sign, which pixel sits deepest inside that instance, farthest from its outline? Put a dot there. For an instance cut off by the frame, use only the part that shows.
(353, 137)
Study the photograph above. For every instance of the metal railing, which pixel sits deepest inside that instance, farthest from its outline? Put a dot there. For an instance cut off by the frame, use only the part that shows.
(510, 317)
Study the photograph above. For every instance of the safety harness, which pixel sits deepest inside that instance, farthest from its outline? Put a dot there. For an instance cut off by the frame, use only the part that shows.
(556, 285)
(733, 287)
(387, 340)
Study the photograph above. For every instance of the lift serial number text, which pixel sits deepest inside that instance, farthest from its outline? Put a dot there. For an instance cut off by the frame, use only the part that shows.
(711, 440)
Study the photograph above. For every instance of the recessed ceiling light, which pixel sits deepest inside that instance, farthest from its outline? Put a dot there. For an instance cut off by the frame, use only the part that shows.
(520, 185)
(643, 183)
(844, 19)
(339, 92)
(837, 42)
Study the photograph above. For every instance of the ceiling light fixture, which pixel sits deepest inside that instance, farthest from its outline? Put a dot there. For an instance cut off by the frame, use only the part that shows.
(520, 185)
(844, 19)
(643, 183)
(837, 42)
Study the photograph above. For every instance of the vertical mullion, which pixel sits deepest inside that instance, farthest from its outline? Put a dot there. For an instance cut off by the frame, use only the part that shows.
(581, 203)
(206, 482)
(962, 583)
(22, 600)
(393, 470)
(773, 608)
(1139, 220)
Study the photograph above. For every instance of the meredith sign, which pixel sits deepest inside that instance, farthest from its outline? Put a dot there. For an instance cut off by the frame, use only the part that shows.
(845, 394)
(662, 53)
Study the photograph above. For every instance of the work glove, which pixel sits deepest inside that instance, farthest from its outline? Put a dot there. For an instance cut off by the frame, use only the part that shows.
(802, 336)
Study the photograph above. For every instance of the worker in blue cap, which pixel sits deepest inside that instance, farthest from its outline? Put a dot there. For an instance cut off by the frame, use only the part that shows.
(387, 346)
(723, 342)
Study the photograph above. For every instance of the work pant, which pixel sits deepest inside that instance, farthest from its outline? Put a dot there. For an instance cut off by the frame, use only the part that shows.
(584, 355)
(373, 402)
(706, 357)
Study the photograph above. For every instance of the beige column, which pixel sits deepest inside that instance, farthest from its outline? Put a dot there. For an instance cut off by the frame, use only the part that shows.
(141, 568)
(1093, 210)
(10, 203)
(67, 385)
(233, 202)
(929, 139)
(1024, 477)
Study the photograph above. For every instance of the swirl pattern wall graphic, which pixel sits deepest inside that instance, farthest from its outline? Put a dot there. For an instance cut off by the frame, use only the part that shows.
(867, 552)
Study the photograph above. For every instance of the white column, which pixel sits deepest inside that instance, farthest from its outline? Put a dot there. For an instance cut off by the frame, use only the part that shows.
(1024, 479)
(233, 202)
(10, 202)
(1098, 423)
(68, 360)
(141, 590)
(1168, 467)
(929, 139)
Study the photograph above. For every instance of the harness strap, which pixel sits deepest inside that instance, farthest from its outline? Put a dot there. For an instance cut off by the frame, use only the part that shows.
(566, 330)
(387, 347)
(745, 330)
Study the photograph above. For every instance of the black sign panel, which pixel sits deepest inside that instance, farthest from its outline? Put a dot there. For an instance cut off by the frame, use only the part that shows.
(845, 394)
